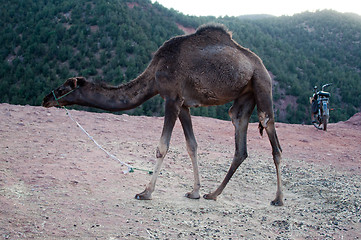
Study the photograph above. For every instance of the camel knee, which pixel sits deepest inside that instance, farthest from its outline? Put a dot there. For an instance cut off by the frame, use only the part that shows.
(239, 159)
(192, 147)
(162, 150)
(240, 156)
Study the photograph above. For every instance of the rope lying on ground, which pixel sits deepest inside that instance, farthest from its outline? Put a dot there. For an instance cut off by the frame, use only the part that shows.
(130, 167)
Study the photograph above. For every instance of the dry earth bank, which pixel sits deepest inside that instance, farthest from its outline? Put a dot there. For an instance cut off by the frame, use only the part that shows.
(56, 184)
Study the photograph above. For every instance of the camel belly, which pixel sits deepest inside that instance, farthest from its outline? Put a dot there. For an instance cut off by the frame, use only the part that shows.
(201, 96)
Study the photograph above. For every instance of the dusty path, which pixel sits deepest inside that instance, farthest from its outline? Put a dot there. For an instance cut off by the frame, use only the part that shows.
(55, 184)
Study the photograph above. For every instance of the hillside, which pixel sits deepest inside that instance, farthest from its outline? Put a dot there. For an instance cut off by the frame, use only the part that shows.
(42, 43)
(56, 184)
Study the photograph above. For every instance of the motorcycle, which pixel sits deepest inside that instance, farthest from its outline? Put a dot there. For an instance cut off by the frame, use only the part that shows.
(320, 109)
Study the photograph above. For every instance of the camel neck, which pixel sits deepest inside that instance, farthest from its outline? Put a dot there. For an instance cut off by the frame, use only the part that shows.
(118, 98)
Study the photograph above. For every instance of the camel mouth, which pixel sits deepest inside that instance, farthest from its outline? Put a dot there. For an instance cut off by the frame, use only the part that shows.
(48, 102)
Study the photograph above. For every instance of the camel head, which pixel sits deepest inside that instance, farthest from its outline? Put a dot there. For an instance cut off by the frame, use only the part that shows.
(65, 94)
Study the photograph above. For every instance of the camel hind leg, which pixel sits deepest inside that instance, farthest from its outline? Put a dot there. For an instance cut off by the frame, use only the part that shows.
(269, 125)
(240, 113)
(276, 152)
(263, 93)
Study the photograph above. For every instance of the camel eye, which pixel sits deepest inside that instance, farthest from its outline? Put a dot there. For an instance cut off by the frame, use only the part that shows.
(62, 91)
(65, 88)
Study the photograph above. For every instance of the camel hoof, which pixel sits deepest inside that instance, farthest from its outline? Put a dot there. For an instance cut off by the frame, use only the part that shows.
(277, 202)
(143, 196)
(192, 195)
(210, 196)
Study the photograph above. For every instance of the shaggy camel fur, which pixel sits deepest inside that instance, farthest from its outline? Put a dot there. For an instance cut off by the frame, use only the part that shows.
(201, 69)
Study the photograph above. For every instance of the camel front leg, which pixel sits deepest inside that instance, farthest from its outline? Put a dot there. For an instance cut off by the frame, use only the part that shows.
(172, 108)
(186, 121)
(147, 193)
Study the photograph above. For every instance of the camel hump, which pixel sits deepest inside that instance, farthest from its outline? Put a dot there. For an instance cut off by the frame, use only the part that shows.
(212, 29)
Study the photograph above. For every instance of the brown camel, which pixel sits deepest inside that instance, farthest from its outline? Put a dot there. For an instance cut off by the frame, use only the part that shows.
(201, 69)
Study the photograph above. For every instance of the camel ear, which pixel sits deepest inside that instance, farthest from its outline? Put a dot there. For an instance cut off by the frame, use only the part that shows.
(80, 81)
(72, 82)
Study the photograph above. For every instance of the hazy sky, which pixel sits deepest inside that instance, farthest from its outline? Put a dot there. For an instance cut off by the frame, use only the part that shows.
(240, 7)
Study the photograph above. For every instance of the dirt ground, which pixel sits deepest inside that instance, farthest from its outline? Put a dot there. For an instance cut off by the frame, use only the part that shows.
(56, 184)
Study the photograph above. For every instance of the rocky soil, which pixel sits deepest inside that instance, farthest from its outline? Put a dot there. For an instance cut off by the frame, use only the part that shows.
(56, 184)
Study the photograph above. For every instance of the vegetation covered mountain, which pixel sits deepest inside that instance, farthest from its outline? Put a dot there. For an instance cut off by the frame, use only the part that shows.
(42, 43)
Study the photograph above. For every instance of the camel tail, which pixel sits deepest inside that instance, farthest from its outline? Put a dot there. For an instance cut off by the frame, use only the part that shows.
(260, 127)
